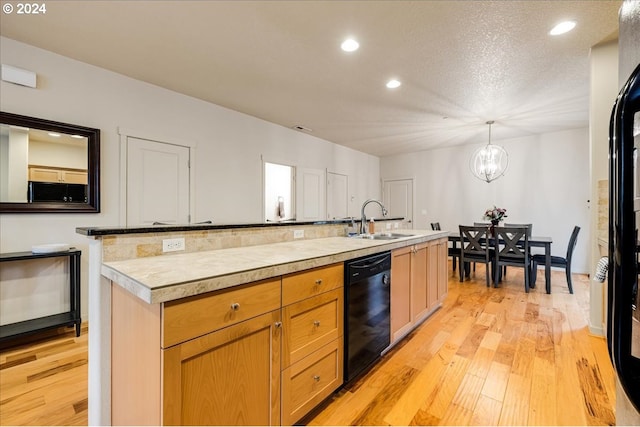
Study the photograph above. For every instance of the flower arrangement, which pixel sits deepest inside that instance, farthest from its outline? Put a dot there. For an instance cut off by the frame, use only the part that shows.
(495, 214)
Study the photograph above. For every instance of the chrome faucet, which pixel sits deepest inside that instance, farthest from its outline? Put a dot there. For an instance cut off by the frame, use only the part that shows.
(363, 220)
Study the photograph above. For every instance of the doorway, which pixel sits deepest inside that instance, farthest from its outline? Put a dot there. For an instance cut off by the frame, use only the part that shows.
(398, 198)
(157, 182)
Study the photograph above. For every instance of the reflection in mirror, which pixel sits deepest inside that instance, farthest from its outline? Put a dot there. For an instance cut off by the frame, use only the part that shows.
(47, 166)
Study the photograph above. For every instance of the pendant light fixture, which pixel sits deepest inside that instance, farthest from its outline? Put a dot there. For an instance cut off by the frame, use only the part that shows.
(489, 162)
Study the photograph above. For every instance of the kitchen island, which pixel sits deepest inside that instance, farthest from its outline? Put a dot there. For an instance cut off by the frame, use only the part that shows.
(230, 312)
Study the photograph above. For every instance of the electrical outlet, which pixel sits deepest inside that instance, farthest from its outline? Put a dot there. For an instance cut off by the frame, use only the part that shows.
(172, 245)
(298, 234)
(388, 225)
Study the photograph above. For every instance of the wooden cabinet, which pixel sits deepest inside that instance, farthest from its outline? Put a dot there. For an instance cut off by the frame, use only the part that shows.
(195, 316)
(68, 176)
(420, 272)
(417, 287)
(228, 377)
(400, 293)
(313, 325)
(231, 357)
(212, 359)
(443, 275)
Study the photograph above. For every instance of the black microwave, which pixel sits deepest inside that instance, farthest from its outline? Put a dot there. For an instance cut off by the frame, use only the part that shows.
(57, 192)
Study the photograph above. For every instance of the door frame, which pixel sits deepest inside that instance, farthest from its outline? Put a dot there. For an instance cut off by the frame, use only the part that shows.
(413, 194)
(125, 134)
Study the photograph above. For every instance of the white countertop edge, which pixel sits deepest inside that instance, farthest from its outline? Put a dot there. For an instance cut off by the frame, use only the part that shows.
(202, 285)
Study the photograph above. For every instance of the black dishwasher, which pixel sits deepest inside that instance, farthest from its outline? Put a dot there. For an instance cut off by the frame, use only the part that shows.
(366, 312)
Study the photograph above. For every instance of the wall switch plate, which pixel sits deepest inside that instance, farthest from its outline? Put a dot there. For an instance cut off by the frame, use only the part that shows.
(298, 234)
(172, 245)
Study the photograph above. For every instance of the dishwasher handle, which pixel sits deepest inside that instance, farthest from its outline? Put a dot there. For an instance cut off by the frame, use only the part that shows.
(365, 266)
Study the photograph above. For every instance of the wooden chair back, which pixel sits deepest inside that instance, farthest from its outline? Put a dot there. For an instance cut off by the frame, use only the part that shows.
(514, 244)
(474, 242)
(529, 227)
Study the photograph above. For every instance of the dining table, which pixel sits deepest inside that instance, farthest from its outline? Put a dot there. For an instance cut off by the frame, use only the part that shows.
(534, 242)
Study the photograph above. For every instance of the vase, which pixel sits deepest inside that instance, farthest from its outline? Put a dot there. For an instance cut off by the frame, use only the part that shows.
(492, 228)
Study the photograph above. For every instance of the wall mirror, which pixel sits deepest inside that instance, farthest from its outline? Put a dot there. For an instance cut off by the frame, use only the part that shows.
(48, 166)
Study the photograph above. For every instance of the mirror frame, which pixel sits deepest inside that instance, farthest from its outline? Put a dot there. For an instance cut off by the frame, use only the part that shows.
(93, 166)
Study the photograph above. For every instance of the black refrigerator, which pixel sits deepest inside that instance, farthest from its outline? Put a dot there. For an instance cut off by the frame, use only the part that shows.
(623, 315)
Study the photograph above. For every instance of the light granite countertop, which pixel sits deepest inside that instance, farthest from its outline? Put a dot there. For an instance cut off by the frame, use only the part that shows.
(169, 277)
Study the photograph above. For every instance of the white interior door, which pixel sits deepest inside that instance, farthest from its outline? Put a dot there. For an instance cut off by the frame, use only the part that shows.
(398, 198)
(311, 193)
(157, 183)
(337, 196)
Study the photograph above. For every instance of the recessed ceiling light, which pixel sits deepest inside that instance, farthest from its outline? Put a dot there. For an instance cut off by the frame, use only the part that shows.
(350, 45)
(55, 135)
(77, 136)
(393, 83)
(563, 27)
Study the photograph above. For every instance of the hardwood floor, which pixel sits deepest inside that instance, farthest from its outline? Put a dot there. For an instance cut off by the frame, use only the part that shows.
(45, 383)
(488, 357)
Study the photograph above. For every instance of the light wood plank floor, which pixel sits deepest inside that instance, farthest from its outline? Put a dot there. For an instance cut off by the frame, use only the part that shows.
(488, 357)
(45, 382)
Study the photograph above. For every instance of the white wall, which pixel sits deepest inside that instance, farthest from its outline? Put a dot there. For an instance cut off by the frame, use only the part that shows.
(602, 94)
(70, 156)
(230, 146)
(547, 184)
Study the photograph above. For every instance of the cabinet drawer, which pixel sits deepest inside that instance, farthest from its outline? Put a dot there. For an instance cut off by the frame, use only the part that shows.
(307, 383)
(299, 286)
(195, 316)
(312, 323)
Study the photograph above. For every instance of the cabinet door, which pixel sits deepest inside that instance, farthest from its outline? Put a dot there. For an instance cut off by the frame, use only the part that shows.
(227, 377)
(432, 278)
(73, 177)
(443, 277)
(400, 292)
(419, 279)
(308, 382)
(312, 323)
(44, 175)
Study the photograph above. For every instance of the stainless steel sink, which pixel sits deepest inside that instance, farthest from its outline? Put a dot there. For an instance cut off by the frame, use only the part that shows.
(381, 236)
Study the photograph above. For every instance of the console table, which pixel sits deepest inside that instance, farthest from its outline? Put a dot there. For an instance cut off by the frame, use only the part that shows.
(69, 318)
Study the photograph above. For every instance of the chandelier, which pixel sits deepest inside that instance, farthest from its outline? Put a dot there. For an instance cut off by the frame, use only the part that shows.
(489, 162)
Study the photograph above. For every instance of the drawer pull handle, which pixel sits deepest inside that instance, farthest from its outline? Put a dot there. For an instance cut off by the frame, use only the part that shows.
(316, 323)
(316, 378)
(235, 306)
(318, 282)
(278, 324)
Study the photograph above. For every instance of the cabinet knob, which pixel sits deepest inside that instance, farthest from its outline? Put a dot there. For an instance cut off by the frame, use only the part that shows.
(318, 282)
(235, 306)
(316, 323)
(316, 378)
(278, 324)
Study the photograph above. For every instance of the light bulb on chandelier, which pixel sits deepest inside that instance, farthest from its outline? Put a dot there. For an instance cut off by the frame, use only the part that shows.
(489, 162)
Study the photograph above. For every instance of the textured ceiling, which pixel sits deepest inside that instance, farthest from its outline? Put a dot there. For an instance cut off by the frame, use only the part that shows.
(461, 63)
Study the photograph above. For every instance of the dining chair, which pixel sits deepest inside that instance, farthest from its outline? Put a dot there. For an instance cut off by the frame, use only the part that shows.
(453, 253)
(528, 226)
(480, 224)
(529, 231)
(512, 249)
(557, 261)
(475, 247)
